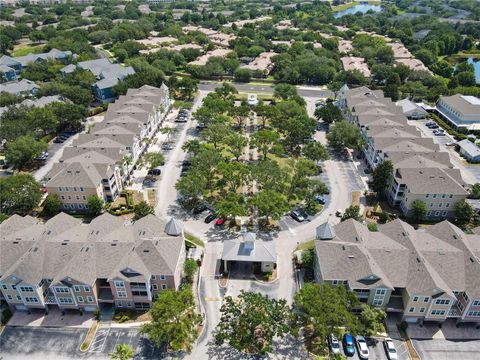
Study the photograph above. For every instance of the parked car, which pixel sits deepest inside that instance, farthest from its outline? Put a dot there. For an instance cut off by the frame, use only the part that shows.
(362, 347)
(199, 209)
(148, 182)
(252, 100)
(334, 344)
(390, 349)
(167, 147)
(220, 221)
(348, 346)
(434, 126)
(210, 218)
(430, 123)
(181, 120)
(320, 199)
(154, 172)
(58, 140)
(201, 126)
(297, 215)
(440, 133)
(43, 156)
(319, 103)
(450, 143)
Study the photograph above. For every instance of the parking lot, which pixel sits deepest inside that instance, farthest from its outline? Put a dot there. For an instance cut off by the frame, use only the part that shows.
(377, 351)
(441, 349)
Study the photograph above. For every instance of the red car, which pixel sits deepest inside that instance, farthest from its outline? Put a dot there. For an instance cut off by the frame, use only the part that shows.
(220, 222)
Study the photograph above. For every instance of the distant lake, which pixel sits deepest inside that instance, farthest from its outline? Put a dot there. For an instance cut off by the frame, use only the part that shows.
(476, 65)
(363, 8)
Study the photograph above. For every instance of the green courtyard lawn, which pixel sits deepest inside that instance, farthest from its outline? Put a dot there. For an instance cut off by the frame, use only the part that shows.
(25, 49)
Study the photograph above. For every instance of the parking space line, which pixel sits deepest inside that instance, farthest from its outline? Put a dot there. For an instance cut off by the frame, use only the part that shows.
(99, 341)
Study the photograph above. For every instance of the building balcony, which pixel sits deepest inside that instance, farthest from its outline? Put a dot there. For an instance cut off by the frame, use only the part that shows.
(105, 295)
(454, 312)
(50, 300)
(395, 305)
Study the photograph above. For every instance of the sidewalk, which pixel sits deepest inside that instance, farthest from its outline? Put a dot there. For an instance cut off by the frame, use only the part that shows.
(55, 318)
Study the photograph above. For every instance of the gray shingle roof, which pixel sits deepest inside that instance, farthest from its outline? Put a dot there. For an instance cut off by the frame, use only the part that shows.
(432, 180)
(174, 227)
(18, 87)
(325, 231)
(253, 251)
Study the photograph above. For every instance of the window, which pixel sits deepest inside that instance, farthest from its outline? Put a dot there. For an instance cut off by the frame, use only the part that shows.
(64, 300)
(155, 287)
(31, 300)
(78, 197)
(447, 205)
(69, 197)
(26, 289)
(122, 294)
(119, 284)
(473, 313)
(60, 189)
(76, 288)
(412, 309)
(442, 302)
(422, 310)
(437, 213)
(465, 297)
(153, 277)
(5, 287)
(18, 297)
(427, 195)
(139, 293)
(80, 206)
(80, 298)
(377, 302)
(84, 197)
(450, 196)
(9, 297)
(163, 277)
(440, 204)
(429, 213)
(444, 196)
(437, 312)
(476, 302)
(60, 290)
(164, 287)
(74, 189)
(434, 196)
(129, 304)
(63, 197)
(415, 298)
(89, 299)
(426, 299)
(86, 288)
(431, 204)
(67, 189)
(460, 306)
(444, 213)
(380, 292)
(81, 189)
(334, 282)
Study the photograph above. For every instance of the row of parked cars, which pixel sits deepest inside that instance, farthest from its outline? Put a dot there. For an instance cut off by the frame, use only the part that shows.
(63, 137)
(437, 131)
(182, 116)
(352, 344)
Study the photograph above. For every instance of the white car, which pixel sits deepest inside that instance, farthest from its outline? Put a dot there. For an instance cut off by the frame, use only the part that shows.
(252, 99)
(339, 213)
(362, 347)
(334, 344)
(390, 349)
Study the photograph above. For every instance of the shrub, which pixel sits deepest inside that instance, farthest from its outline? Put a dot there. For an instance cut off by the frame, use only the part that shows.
(372, 227)
(5, 316)
(383, 216)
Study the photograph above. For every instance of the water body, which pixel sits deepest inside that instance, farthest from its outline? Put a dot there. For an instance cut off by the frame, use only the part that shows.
(363, 8)
(476, 65)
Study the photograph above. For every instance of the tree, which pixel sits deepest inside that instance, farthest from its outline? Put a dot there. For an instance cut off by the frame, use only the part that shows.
(23, 150)
(174, 320)
(231, 205)
(464, 211)
(190, 267)
(19, 194)
(392, 87)
(345, 135)
(243, 75)
(372, 319)
(475, 191)
(154, 159)
(52, 205)
(191, 146)
(95, 205)
(216, 134)
(270, 204)
(236, 143)
(284, 91)
(264, 141)
(324, 309)
(315, 151)
(240, 113)
(250, 322)
(142, 209)
(122, 352)
(328, 113)
(419, 210)
(308, 258)
(226, 91)
(382, 175)
(352, 212)
(169, 131)
(187, 87)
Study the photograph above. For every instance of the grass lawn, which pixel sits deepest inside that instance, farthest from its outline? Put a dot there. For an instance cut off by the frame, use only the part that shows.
(25, 49)
(305, 246)
(194, 240)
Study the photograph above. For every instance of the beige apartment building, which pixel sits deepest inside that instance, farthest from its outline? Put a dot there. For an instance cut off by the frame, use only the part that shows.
(100, 162)
(402, 270)
(67, 264)
(421, 170)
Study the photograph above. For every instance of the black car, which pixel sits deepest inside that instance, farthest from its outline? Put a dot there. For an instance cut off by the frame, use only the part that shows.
(210, 218)
(58, 140)
(154, 172)
(199, 209)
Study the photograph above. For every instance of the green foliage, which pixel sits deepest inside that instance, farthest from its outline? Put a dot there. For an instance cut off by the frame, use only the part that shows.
(475, 191)
(372, 320)
(270, 204)
(464, 211)
(21, 151)
(52, 205)
(243, 75)
(251, 322)
(190, 267)
(174, 320)
(142, 209)
(19, 194)
(284, 91)
(122, 352)
(382, 176)
(352, 212)
(95, 205)
(308, 257)
(328, 113)
(154, 159)
(315, 151)
(345, 135)
(419, 210)
(372, 227)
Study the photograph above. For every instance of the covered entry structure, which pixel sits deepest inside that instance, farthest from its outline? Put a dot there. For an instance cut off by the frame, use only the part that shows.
(249, 250)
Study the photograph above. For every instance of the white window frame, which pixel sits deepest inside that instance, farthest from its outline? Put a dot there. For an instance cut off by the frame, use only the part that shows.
(86, 288)
(80, 299)
(76, 288)
(119, 284)
(90, 299)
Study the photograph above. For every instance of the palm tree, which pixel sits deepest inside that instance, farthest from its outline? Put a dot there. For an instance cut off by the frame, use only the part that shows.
(122, 352)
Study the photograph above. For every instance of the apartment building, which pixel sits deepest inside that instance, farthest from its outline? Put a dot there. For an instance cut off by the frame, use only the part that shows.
(20, 62)
(67, 264)
(460, 111)
(262, 65)
(100, 162)
(421, 170)
(402, 270)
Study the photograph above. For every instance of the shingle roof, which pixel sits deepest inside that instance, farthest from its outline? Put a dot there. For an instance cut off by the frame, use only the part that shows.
(174, 227)
(325, 231)
(431, 180)
(253, 251)
(18, 87)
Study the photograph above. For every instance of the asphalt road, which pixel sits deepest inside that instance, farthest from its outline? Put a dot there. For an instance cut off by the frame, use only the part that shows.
(304, 91)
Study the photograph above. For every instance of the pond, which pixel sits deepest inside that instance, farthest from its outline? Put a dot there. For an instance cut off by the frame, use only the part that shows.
(476, 64)
(363, 8)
